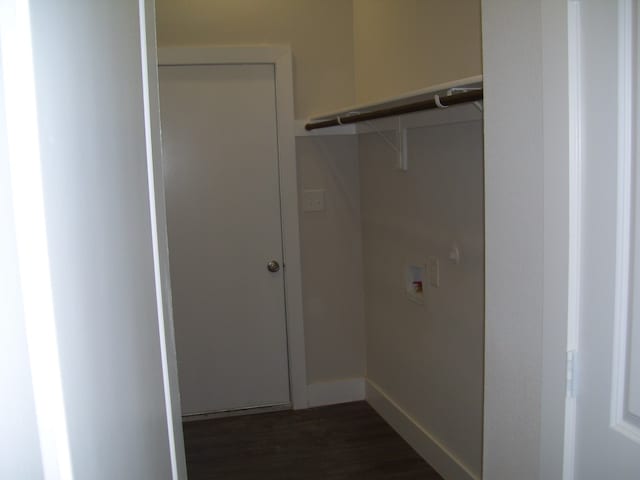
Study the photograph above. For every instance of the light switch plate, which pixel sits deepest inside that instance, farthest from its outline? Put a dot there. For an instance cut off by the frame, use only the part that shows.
(313, 200)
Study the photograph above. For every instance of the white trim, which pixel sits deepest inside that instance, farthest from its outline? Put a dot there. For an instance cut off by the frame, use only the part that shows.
(160, 238)
(417, 436)
(624, 235)
(575, 229)
(334, 392)
(558, 215)
(280, 58)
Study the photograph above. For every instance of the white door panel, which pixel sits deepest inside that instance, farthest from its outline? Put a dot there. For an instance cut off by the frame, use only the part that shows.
(628, 342)
(607, 440)
(223, 212)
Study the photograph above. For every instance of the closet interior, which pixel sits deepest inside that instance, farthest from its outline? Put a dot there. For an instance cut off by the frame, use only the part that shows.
(362, 197)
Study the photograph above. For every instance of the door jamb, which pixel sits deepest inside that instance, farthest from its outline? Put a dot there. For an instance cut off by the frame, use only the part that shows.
(280, 57)
(560, 230)
(575, 228)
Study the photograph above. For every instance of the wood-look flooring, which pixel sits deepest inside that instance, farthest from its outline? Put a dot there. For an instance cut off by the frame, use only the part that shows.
(339, 442)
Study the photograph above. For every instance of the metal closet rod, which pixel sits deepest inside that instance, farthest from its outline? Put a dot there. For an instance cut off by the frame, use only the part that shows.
(436, 102)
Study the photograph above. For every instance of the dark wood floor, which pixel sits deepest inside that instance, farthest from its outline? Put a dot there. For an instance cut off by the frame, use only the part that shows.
(340, 442)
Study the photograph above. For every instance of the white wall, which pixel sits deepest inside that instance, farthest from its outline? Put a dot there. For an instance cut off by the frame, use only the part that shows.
(526, 195)
(93, 154)
(427, 358)
(19, 440)
(514, 195)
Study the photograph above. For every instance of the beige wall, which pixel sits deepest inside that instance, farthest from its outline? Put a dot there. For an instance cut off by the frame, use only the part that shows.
(320, 34)
(321, 37)
(389, 47)
(332, 259)
(345, 51)
(404, 45)
(427, 358)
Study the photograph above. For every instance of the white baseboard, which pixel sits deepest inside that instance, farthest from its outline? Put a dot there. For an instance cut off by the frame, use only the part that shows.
(338, 391)
(415, 435)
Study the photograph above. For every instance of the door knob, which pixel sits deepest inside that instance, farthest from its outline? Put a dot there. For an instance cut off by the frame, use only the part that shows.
(273, 266)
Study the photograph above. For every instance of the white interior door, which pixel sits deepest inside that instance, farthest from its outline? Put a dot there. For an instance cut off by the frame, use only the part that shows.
(607, 440)
(223, 212)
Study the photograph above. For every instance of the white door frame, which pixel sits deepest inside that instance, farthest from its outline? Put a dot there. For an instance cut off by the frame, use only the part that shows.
(280, 57)
(560, 233)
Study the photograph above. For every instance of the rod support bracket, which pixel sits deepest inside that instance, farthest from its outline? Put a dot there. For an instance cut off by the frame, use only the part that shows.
(403, 154)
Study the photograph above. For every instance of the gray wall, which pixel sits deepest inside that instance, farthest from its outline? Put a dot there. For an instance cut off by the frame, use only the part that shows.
(331, 251)
(427, 358)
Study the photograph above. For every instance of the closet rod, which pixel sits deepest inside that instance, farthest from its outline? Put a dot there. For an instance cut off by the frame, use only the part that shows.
(444, 101)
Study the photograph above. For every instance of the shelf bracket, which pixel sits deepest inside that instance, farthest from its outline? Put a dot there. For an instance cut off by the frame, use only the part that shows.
(400, 147)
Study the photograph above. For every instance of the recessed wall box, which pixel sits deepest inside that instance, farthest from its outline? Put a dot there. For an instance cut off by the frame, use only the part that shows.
(415, 283)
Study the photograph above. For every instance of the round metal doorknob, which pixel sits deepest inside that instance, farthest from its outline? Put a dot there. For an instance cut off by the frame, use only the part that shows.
(273, 266)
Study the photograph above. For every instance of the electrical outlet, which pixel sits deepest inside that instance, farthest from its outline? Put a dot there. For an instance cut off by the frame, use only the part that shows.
(313, 200)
